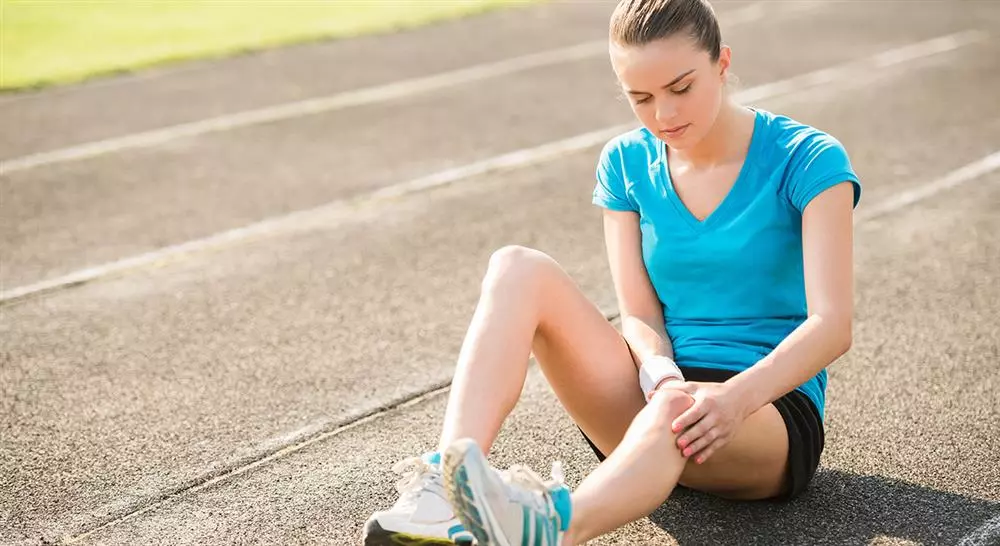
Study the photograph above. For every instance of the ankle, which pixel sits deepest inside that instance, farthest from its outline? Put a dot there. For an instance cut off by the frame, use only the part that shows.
(578, 533)
(569, 537)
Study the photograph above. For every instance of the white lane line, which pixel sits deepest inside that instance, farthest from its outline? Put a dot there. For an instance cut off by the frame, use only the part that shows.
(170, 70)
(886, 59)
(953, 179)
(358, 97)
(830, 77)
(303, 108)
(286, 445)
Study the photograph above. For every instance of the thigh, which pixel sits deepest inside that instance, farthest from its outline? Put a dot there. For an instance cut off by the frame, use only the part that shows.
(585, 360)
(753, 465)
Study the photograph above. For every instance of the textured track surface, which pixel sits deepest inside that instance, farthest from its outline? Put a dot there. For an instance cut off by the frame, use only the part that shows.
(122, 399)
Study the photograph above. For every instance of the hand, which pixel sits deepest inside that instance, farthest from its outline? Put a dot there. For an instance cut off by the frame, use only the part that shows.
(710, 422)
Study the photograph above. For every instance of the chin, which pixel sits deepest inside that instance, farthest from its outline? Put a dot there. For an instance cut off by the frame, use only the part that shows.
(684, 142)
(676, 143)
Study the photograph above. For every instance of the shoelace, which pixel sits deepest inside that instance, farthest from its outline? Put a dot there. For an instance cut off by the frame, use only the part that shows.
(525, 486)
(417, 475)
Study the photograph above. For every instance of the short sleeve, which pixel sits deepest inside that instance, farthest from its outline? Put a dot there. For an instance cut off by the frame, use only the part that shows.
(820, 163)
(610, 190)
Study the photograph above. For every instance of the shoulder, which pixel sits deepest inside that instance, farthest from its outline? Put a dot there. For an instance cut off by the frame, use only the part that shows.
(624, 162)
(791, 139)
(635, 145)
(808, 159)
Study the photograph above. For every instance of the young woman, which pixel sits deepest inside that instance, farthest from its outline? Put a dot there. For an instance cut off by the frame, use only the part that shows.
(729, 236)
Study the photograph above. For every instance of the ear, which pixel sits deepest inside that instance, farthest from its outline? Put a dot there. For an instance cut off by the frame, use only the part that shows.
(725, 59)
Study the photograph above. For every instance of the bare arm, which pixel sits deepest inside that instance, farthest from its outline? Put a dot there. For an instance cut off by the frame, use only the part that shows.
(827, 251)
(640, 308)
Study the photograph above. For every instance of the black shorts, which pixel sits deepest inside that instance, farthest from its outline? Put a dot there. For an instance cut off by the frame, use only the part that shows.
(802, 420)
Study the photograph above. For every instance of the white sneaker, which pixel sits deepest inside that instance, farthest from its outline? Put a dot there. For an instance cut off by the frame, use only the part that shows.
(512, 508)
(422, 515)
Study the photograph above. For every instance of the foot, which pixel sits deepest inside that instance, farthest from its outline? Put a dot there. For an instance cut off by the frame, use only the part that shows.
(422, 515)
(510, 508)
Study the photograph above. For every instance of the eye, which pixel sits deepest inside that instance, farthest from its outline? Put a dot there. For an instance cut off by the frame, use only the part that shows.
(643, 100)
(682, 90)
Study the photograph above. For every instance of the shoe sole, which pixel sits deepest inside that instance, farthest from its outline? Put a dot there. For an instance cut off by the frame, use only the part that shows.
(375, 535)
(464, 467)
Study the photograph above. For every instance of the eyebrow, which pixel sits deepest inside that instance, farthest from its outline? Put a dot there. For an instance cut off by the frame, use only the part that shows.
(675, 80)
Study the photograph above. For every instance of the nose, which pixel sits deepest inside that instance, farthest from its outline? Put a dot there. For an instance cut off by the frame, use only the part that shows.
(665, 111)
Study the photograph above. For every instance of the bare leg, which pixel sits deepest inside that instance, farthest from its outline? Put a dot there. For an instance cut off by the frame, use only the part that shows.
(637, 477)
(493, 362)
(529, 303)
(645, 468)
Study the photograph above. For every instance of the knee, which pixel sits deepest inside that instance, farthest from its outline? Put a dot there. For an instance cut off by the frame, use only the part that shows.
(516, 266)
(666, 406)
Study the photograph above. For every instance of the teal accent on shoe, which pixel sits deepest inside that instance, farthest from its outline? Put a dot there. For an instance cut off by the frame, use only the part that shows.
(543, 531)
(538, 526)
(468, 507)
(525, 525)
(564, 505)
(455, 529)
(433, 458)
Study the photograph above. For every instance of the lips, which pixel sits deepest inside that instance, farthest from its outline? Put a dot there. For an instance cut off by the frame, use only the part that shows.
(676, 131)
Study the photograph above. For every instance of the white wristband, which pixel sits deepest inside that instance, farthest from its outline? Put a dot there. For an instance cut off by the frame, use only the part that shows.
(654, 371)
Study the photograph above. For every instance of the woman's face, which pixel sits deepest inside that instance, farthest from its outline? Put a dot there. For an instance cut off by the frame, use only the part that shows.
(673, 86)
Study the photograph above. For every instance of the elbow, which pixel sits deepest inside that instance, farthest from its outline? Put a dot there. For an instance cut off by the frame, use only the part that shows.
(845, 344)
(844, 336)
(839, 330)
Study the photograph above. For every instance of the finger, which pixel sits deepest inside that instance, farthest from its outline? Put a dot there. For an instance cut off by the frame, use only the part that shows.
(720, 441)
(700, 458)
(692, 434)
(701, 443)
(691, 416)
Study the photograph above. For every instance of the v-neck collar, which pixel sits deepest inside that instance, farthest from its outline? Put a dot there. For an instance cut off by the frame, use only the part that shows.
(722, 208)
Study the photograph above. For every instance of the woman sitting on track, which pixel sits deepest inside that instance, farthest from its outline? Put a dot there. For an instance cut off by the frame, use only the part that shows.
(729, 236)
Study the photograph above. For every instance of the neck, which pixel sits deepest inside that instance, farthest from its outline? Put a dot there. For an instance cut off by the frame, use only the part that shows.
(725, 140)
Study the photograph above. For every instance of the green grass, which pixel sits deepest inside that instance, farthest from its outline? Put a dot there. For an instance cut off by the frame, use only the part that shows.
(45, 42)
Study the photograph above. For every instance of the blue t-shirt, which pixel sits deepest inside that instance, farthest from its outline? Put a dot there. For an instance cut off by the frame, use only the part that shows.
(732, 286)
